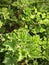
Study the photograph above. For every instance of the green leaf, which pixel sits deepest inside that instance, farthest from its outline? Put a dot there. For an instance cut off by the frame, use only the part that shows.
(1, 23)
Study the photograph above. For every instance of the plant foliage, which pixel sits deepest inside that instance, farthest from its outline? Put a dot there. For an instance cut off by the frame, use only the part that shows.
(24, 32)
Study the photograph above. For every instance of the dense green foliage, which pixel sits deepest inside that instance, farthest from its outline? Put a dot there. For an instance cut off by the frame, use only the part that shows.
(24, 32)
